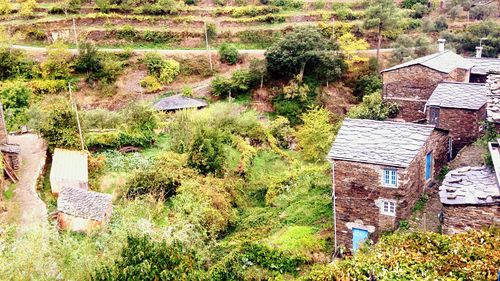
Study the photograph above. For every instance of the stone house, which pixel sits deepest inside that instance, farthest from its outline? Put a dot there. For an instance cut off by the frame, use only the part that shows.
(380, 169)
(178, 102)
(410, 84)
(471, 196)
(459, 108)
(82, 210)
(69, 169)
(481, 67)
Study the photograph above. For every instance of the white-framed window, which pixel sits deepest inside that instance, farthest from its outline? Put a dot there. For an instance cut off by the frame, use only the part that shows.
(388, 208)
(390, 177)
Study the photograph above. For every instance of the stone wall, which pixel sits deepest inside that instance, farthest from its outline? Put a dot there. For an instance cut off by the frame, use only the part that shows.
(358, 190)
(465, 125)
(411, 87)
(459, 218)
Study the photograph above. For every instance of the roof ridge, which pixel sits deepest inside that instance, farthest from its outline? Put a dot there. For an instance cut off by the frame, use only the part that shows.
(393, 122)
(432, 56)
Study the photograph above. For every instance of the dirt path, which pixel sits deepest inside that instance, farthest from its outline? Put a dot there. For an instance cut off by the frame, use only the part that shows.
(32, 210)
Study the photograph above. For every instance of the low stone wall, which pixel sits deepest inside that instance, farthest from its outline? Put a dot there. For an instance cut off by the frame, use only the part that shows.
(458, 218)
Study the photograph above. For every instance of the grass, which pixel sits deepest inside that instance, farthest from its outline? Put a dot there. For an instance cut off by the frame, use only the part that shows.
(9, 191)
(297, 240)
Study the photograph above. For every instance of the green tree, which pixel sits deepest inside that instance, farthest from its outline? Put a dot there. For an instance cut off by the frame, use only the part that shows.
(373, 107)
(58, 64)
(383, 16)
(15, 97)
(206, 152)
(315, 135)
(55, 120)
(299, 51)
(228, 53)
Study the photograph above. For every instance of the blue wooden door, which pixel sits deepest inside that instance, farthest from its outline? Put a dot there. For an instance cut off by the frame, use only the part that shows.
(428, 166)
(358, 237)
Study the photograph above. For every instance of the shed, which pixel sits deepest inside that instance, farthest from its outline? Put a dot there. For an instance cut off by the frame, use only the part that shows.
(69, 169)
(82, 210)
(178, 102)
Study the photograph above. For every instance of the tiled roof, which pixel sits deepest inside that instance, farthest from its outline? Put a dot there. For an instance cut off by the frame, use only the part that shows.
(459, 95)
(83, 203)
(69, 164)
(446, 62)
(493, 98)
(178, 102)
(484, 65)
(469, 186)
(379, 142)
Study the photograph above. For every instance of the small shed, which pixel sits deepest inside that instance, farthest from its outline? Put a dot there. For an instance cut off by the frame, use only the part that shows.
(82, 210)
(69, 169)
(178, 102)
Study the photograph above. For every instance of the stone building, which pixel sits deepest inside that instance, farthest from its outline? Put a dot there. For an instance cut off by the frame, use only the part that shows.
(82, 210)
(410, 84)
(69, 169)
(380, 169)
(459, 108)
(481, 67)
(471, 196)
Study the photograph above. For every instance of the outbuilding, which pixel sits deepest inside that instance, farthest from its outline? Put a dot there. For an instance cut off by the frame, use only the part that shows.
(178, 102)
(69, 169)
(82, 210)
(459, 108)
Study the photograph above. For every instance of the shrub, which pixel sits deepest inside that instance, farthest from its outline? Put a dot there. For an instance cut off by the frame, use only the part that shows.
(228, 53)
(315, 135)
(221, 86)
(5, 7)
(58, 64)
(15, 63)
(15, 97)
(366, 85)
(45, 87)
(373, 107)
(409, 4)
(103, 5)
(206, 152)
(287, 4)
(150, 83)
(440, 24)
(143, 258)
(289, 108)
(28, 8)
(164, 70)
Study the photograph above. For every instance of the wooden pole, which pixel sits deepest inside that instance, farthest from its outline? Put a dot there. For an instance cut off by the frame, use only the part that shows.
(73, 103)
(208, 48)
(76, 36)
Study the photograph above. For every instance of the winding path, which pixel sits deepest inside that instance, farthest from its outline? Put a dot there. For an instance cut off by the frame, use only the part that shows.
(33, 212)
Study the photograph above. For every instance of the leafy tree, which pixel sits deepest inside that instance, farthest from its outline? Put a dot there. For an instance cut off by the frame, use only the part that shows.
(373, 107)
(55, 120)
(15, 63)
(383, 16)
(58, 64)
(367, 84)
(143, 258)
(350, 45)
(206, 152)
(259, 69)
(228, 53)
(15, 97)
(315, 135)
(240, 83)
(28, 8)
(300, 50)
(5, 7)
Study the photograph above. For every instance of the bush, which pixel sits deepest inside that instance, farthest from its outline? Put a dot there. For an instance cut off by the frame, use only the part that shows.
(142, 258)
(315, 135)
(15, 63)
(48, 87)
(206, 152)
(15, 97)
(228, 53)
(5, 7)
(150, 83)
(164, 70)
(440, 24)
(287, 4)
(28, 8)
(58, 64)
(366, 85)
(373, 107)
(103, 5)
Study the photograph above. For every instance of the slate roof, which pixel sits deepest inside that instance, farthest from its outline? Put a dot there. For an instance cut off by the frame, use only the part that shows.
(83, 203)
(445, 62)
(469, 186)
(178, 102)
(69, 164)
(493, 107)
(484, 65)
(459, 95)
(379, 142)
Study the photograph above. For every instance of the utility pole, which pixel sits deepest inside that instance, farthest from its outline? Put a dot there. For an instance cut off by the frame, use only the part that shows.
(73, 103)
(208, 48)
(76, 36)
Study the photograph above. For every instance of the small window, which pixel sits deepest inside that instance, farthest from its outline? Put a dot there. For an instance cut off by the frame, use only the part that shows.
(388, 208)
(390, 177)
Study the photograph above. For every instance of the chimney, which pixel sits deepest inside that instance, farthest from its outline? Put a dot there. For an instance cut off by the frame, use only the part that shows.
(479, 52)
(441, 42)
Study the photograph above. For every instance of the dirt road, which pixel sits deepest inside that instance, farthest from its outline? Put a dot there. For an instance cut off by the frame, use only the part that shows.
(33, 212)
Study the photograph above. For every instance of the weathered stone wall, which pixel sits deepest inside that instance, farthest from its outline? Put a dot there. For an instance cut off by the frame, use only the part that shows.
(465, 125)
(459, 219)
(72, 223)
(358, 189)
(411, 87)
